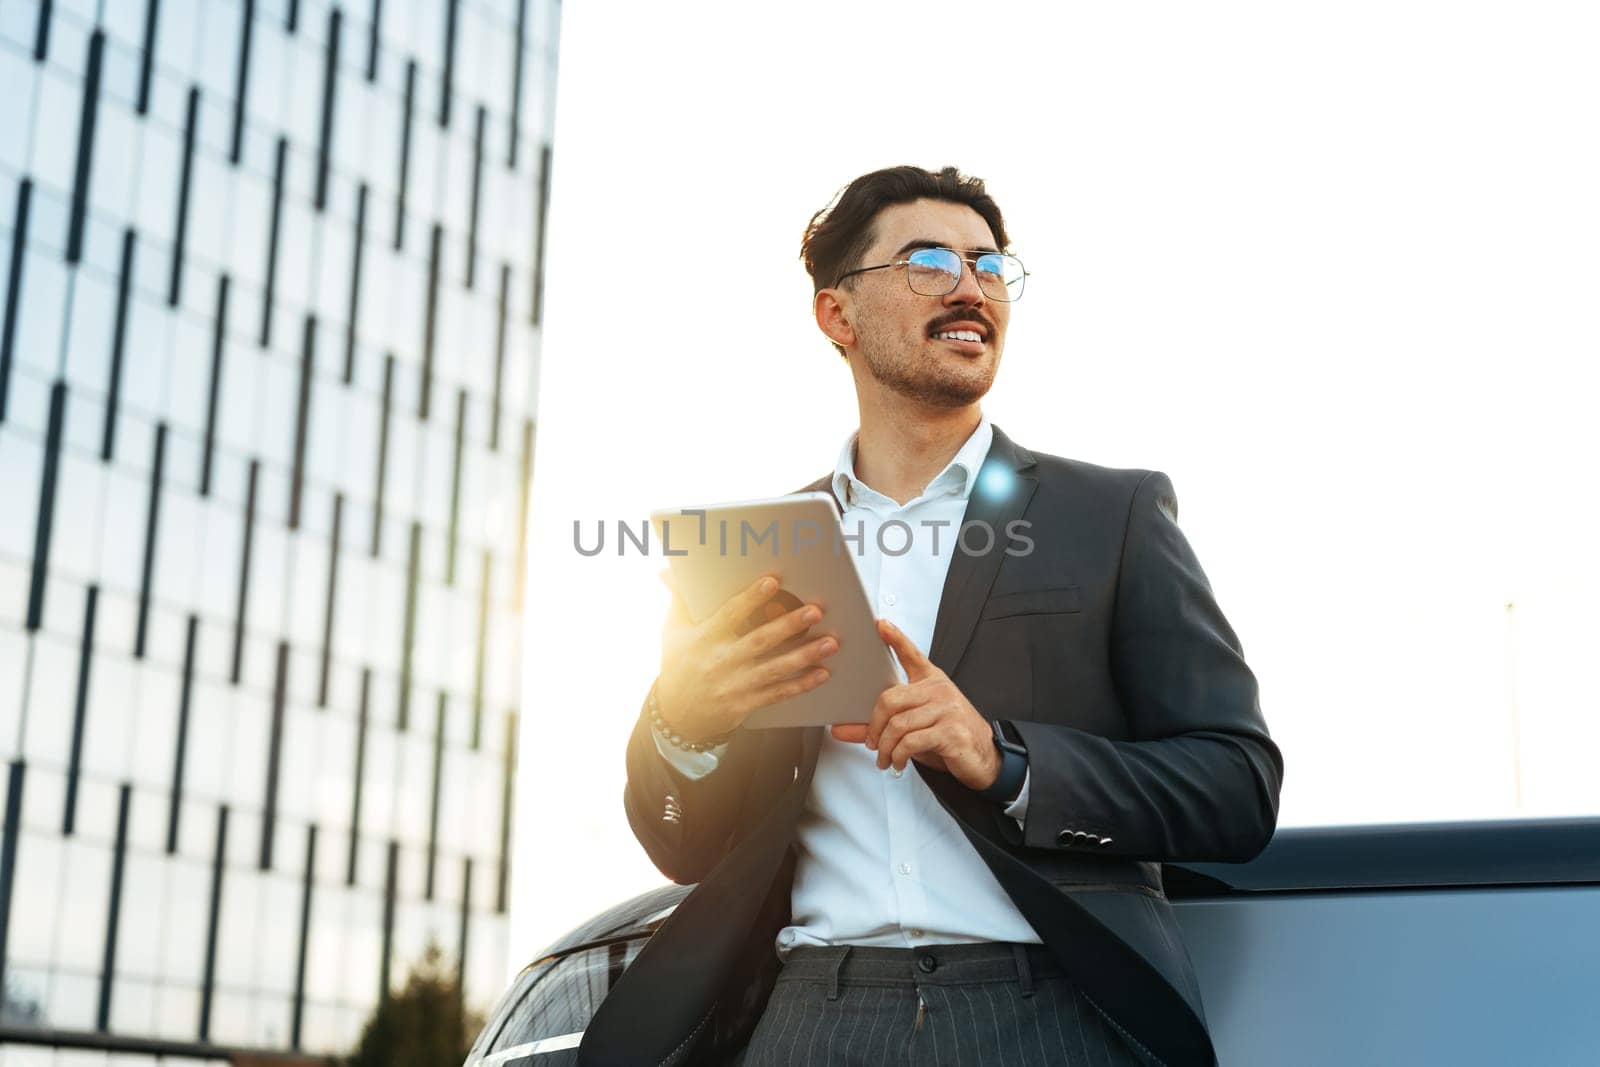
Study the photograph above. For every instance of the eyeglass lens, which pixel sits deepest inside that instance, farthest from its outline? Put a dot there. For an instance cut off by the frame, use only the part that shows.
(937, 271)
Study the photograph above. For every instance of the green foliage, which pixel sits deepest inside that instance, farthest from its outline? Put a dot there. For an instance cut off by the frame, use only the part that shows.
(423, 1025)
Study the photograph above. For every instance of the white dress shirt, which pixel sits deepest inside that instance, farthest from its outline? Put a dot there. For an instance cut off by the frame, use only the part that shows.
(880, 862)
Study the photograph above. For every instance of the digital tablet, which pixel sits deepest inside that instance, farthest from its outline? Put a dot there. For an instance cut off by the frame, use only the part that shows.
(718, 550)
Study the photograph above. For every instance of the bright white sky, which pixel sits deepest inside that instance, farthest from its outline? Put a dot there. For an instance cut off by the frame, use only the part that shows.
(1331, 267)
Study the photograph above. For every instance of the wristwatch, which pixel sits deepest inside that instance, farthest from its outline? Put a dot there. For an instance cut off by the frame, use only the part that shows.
(1013, 763)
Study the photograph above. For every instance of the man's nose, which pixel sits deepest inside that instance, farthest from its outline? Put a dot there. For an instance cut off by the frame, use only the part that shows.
(967, 293)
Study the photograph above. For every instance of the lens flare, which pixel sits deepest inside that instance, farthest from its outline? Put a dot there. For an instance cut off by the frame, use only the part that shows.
(996, 481)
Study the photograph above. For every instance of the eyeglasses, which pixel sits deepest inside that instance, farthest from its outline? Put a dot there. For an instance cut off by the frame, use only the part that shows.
(937, 271)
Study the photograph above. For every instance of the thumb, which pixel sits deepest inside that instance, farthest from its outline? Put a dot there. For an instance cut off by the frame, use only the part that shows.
(916, 665)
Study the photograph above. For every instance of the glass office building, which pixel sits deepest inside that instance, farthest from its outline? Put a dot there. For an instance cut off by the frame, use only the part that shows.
(271, 276)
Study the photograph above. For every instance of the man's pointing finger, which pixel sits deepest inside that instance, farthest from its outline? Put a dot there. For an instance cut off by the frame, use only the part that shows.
(917, 666)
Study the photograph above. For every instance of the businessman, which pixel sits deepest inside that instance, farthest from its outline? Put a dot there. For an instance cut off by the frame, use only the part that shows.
(972, 873)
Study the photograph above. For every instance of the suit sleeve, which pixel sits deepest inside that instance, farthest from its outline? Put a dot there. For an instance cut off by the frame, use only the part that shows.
(685, 822)
(1199, 780)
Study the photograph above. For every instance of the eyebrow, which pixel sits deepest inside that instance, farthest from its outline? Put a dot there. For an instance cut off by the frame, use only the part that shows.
(924, 242)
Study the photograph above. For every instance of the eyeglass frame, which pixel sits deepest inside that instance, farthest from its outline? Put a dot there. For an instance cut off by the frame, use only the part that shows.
(959, 253)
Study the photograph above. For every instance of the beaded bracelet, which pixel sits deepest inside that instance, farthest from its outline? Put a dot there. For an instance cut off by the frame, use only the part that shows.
(677, 740)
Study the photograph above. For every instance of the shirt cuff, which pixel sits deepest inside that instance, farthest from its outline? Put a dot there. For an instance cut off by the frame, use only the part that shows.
(695, 765)
(1018, 808)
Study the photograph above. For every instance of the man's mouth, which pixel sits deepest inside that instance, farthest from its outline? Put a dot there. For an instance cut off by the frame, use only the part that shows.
(966, 330)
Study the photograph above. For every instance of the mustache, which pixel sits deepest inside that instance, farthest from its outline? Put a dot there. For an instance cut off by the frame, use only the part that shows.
(944, 322)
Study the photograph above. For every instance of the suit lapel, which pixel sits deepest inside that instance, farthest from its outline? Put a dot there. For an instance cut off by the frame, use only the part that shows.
(1004, 487)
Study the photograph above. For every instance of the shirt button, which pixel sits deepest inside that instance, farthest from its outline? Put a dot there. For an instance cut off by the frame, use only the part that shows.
(914, 934)
(905, 868)
(895, 772)
(890, 599)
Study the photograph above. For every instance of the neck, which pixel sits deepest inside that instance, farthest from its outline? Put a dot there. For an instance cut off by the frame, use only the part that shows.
(903, 445)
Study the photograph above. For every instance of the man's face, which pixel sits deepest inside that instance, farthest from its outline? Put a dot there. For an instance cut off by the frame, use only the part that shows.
(903, 337)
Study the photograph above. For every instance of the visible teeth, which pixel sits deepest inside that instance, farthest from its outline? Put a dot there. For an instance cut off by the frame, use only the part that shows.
(958, 335)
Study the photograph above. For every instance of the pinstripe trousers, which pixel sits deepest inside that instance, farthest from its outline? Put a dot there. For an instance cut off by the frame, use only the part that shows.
(940, 1006)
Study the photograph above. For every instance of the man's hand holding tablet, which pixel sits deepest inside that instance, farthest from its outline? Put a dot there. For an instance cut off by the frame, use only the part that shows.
(752, 658)
(716, 672)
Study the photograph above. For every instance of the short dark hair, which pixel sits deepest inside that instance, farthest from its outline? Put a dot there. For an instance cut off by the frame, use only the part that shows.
(838, 236)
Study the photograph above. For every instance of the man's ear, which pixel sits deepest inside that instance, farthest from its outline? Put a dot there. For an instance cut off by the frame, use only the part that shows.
(830, 306)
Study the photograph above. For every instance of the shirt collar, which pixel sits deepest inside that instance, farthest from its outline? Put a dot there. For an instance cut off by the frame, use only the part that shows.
(956, 479)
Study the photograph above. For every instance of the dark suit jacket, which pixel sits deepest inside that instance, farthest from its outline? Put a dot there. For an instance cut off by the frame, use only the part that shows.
(1106, 648)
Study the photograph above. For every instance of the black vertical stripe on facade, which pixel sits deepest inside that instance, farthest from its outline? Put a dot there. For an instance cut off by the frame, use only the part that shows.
(278, 168)
(47, 504)
(8, 331)
(119, 854)
(476, 194)
(80, 711)
(208, 976)
(405, 154)
(41, 31)
(483, 648)
(119, 340)
(499, 355)
(387, 951)
(185, 697)
(361, 766)
(514, 133)
(355, 284)
(372, 40)
(85, 167)
(508, 770)
(291, 18)
(430, 321)
(302, 420)
(331, 603)
(307, 881)
(241, 76)
(185, 180)
(455, 489)
(269, 801)
(461, 936)
(542, 214)
(433, 804)
(152, 518)
(522, 511)
(219, 329)
(243, 600)
(330, 83)
(409, 632)
(446, 85)
(8, 856)
(152, 10)
(383, 453)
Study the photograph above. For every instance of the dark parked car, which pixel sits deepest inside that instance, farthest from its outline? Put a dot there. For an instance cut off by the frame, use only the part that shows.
(1446, 943)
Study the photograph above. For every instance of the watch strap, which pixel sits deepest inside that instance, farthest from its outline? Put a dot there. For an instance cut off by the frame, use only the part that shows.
(1013, 767)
